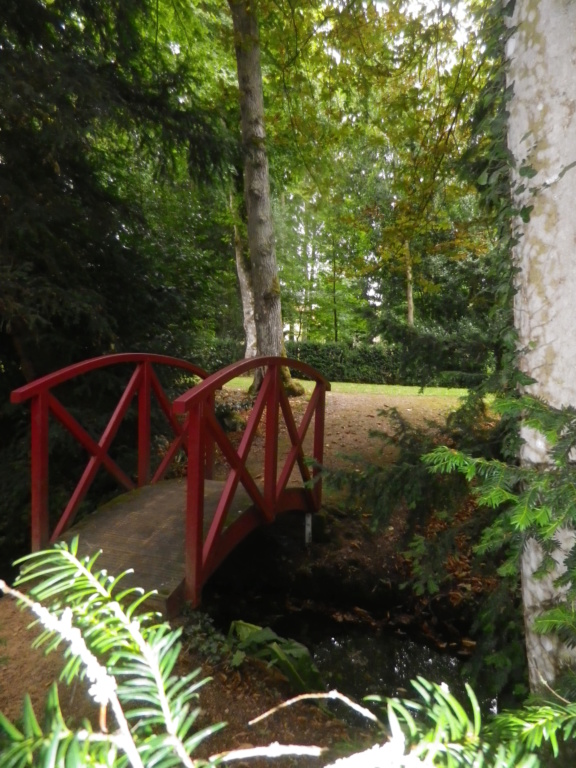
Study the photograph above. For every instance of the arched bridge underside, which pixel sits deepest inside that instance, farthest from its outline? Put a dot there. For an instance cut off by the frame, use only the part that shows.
(192, 492)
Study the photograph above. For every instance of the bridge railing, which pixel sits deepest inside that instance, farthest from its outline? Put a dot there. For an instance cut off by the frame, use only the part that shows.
(269, 492)
(143, 384)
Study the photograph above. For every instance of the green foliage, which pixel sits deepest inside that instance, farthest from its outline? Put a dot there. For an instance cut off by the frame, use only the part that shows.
(413, 356)
(404, 482)
(246, 640)
(487, 164)
(499, 657)
(201, 636)
(418, 355)
(109, 242)
(14, 489)
(437, 730)
(460, 353)
(129, 660)
(344, 361)
(213, 354)
(79, 94)
(441, 524)
(529, 501)
(290, 657)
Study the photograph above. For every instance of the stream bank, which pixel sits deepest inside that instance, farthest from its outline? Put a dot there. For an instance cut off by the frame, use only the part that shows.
(342, 597)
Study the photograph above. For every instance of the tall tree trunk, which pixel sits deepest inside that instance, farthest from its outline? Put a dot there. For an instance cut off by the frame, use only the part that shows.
(542, 126)
(309, 259)
(409, 285)
(261, 245)
(244, 282)
(334, 304)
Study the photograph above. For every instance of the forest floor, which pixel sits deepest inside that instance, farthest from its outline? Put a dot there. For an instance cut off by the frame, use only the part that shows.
(364, 568)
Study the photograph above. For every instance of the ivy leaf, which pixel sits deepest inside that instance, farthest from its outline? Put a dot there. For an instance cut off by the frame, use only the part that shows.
(527, 172)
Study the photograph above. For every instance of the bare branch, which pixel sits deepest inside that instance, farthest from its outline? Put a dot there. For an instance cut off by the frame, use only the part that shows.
(334, 695)
(272, 750)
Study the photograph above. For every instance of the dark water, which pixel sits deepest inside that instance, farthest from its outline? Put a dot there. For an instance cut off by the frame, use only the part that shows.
(361, 664)
(358, 659)
(361, 660)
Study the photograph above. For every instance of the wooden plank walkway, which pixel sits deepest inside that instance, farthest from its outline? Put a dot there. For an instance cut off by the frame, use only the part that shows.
(144, 530)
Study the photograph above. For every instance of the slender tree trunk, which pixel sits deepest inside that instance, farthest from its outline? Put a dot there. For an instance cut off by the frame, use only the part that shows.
(542, 126)
(334, 304)
(409, 286)
(245, 283)
(261, 246)
(308, 292)
(309, 258)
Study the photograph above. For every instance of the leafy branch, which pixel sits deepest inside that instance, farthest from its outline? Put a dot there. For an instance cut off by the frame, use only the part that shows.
(86, 611)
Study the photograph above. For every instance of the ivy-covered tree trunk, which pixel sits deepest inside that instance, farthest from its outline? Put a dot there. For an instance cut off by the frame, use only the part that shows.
(261, 245)
(542, 127)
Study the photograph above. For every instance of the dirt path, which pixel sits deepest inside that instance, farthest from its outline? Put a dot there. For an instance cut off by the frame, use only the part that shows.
(351, 418)
(234, 696)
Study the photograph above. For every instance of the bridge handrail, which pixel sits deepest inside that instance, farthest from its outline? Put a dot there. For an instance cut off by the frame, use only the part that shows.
(217, 380)
(143, 384)
(196, 430)
(51, 380)
(268, 491)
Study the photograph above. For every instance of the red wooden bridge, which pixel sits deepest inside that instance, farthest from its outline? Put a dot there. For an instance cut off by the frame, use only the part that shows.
(174, 533)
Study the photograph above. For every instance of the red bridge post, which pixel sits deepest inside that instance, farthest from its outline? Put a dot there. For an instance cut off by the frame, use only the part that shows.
(144, 403)
(39, 470)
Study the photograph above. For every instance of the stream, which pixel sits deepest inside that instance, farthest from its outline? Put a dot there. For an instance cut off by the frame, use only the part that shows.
(359, 660)
(355, 652)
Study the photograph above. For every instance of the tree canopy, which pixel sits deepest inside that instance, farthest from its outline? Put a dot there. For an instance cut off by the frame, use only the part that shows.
(98, 112)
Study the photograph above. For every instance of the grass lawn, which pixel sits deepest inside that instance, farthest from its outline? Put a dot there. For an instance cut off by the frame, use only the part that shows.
(243, 382)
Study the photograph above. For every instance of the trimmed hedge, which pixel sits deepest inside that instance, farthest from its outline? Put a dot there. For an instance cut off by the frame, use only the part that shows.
(358, 363)
(422, 357)
(362, 363)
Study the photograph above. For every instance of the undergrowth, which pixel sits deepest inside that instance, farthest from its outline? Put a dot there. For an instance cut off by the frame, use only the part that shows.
(129, 660)
(443, 525)
(248, 641)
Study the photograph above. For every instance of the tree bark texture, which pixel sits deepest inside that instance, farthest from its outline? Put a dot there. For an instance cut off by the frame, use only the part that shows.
(245, 284)
(261, 246)
(542, 134)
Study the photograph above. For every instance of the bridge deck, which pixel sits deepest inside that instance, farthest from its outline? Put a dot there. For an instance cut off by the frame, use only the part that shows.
(144, 530)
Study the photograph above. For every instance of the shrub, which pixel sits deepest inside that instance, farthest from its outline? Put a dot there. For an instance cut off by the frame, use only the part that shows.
(214, 354)
(343, 361)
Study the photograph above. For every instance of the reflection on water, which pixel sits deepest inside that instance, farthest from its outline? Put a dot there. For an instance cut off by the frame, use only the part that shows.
(359, 664)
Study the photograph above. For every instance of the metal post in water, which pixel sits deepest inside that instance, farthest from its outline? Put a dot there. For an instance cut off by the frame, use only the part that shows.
(308, 528)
